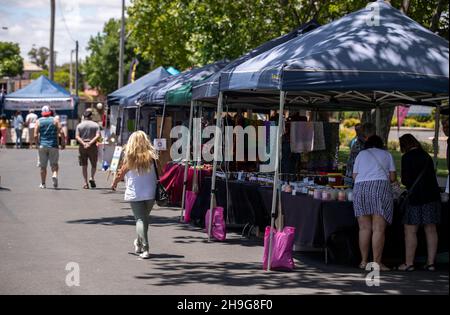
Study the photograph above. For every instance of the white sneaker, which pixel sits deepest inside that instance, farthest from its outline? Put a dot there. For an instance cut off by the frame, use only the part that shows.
(137, 247)
(55, 182)
(42, 186)
(145, 255)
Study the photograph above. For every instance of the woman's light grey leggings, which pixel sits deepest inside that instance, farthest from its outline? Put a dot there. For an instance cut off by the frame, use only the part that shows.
(141, 211)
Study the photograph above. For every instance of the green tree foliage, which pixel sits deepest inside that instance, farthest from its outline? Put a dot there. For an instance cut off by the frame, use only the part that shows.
(187, 33)
(39, 56)
(61, 75)
(11, 63)
(101, 67)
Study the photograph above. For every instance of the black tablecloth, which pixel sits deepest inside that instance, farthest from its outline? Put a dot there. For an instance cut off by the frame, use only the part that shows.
(320, 224)
(304, 213)
(249, 203)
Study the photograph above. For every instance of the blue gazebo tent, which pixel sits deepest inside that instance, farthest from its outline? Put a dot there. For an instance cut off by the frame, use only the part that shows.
(127, 94)
(38, 93)
(208, 90)
(156, 95)
(375, 57)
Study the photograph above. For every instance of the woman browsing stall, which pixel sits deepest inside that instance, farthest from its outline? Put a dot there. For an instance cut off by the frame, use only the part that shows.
(373, 173)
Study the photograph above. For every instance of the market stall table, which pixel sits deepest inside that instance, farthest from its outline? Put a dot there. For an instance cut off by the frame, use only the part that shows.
(172, 179)
(249, 203)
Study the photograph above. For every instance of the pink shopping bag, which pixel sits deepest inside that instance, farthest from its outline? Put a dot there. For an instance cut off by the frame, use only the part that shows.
(282, 247)
(188, 204)
(218, 230)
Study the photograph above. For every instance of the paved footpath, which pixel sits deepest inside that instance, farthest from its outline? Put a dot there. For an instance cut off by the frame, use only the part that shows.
(41, 231)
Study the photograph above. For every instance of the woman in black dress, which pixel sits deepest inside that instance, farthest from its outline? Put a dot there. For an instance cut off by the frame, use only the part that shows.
(424, 207)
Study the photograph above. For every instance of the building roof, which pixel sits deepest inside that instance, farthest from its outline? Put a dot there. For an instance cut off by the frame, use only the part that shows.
(31, 67)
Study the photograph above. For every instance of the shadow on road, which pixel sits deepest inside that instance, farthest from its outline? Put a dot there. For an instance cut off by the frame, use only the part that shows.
(176, 273)
(156, 221)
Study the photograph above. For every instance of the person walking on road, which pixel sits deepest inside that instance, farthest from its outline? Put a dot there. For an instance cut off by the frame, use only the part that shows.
(87, 134)
(30, 122)
(18, 127)
(47, 132)
(139, 171)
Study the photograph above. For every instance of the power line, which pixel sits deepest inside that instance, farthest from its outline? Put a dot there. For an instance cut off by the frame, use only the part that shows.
(64, 21)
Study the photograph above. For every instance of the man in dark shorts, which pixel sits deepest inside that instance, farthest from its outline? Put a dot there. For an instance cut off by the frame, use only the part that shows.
(87, 134)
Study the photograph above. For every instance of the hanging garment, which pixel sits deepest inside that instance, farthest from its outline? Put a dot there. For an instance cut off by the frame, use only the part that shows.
(319, 138)
(302, 136)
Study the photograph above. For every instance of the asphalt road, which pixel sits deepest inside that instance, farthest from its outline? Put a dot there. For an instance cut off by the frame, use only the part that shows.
(42, 231)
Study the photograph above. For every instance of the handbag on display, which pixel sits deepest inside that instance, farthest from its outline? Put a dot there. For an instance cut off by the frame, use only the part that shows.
(191, 197)
(161, 195)
(218, 229)
(282, 248)
(188, 204)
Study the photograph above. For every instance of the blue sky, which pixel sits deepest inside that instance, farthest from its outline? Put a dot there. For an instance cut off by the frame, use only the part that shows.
(28, 23)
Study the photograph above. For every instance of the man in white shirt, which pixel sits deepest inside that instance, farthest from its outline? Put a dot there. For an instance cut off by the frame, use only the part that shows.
(30, 121)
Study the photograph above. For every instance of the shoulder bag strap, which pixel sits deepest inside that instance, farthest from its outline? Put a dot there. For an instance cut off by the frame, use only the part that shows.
(379, 163)
(417, 180)
(156, 170)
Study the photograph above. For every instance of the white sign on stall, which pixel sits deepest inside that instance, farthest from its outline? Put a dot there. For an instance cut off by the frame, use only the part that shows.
(160, 144)
(116, 159)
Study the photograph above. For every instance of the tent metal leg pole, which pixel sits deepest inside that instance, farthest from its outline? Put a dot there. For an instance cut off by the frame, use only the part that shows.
(437, 116)
(162, 122)
(187, 160)
(276, 176)
(200, 115)
(137, 118)
(122, 117)
(217, 149)
(378, 120)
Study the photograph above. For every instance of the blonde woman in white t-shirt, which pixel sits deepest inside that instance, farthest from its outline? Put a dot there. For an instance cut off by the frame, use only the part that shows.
(373, 202)
(139, 171)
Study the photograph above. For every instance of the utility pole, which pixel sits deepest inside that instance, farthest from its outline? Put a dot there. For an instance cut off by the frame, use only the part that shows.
(76, 68)
(51, 68)
(71, 73)
(122, 45)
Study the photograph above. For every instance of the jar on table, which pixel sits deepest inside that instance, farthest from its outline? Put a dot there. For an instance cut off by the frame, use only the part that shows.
(318, 194)
(350, 195)
(341, 195)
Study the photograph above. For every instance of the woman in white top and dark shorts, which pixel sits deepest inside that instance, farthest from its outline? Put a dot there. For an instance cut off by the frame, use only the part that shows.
(139, 171)
(373, 203)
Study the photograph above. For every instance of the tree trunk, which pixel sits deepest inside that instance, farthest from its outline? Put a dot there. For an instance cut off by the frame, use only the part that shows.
(386, 115)
(434, 27)
(405, 6)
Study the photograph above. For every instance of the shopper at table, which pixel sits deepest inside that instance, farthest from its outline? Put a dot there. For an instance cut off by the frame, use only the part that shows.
(358, 135)
(445, 129)
(18, 124)
(424, 206)
(4, 125)
(30, 121)
(365, 131)
(373, 172)
(139, 171)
